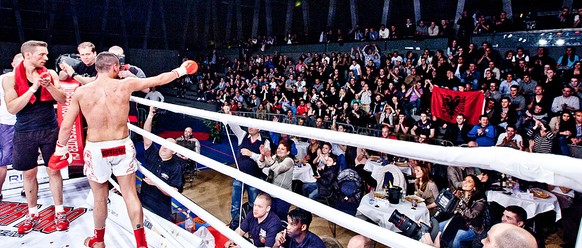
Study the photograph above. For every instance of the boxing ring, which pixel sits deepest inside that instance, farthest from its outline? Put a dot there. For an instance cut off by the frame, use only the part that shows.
(551, 169)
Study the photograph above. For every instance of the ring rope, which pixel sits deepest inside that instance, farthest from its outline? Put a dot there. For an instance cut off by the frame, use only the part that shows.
(370, 230)
(548, 168)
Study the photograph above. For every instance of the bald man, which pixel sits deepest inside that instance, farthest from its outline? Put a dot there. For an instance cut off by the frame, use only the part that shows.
(360, 241)
(505, 235)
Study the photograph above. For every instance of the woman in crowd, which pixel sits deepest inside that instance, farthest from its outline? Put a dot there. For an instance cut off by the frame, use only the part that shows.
(425, 188)
(541, 138)
(467, 221)
(564, 127)
(327, 172)
(280, 173)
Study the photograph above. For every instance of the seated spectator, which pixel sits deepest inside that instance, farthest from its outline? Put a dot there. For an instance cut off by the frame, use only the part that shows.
(425, 188)
(402, 126)
(423, 126)
(566, 61)
(510, 138)
(188, 141)
(468, 218)
(577, 139)
(506, 84)
(261, 225)
(506, 114)
(564, 128)
(360, 241)
(499, 236)
(483, 133)
(566, 102)
(297, 233)
(362, 157)
(457, 133)
(541, 138)
(326, 172)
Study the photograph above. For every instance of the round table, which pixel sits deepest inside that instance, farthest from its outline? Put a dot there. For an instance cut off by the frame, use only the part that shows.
(532, 206)
(371, 165)
(381, 211)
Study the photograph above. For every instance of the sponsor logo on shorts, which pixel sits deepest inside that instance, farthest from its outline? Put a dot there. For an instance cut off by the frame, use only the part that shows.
(112, 152)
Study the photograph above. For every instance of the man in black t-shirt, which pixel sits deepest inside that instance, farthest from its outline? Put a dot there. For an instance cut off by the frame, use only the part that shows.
(82, 72)
(164, 163)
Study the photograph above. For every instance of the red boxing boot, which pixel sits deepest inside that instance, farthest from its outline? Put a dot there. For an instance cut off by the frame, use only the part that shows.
(140, 238)
(97, 240)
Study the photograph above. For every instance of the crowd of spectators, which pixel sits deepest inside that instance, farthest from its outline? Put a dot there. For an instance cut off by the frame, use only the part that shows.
(468, 24)
(532, 104)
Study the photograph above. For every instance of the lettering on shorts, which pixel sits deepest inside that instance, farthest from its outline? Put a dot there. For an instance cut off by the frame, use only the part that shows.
(112, 152)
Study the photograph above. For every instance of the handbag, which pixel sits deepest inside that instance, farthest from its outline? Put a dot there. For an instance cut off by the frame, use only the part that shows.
(270, 177)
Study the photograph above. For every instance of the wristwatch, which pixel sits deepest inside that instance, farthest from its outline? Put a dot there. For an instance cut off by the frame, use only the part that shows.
(74, 74)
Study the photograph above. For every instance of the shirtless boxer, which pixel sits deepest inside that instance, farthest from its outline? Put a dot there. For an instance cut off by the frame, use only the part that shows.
(105, 105)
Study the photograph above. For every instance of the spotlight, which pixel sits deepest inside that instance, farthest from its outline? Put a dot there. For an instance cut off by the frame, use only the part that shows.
(510, 35)
(560, 42)
(543, 42)
(524, 40)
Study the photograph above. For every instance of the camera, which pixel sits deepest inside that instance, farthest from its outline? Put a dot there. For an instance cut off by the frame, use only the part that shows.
(411, 229)
(446, 202)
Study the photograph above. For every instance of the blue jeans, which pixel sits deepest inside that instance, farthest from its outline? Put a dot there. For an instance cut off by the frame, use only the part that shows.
(310, 190)
(237, 191)
(6, 143)
(563, 145)
(461, 236)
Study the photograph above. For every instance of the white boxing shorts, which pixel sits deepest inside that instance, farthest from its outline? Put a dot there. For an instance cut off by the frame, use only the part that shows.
(103, 158)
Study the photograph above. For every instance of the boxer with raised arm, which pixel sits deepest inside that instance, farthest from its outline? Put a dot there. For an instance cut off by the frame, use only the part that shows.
(105, 105)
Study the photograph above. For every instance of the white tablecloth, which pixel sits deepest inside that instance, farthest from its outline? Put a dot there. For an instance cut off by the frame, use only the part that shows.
(532, 207)
(301, 149)
(303, 174)
(381, 214)
(370, 165)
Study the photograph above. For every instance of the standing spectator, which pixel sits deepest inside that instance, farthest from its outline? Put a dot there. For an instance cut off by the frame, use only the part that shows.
(7, 121)
(483, 133)
(36, 127)
(249, 144)
(409, 29)
(154, 95)
(163, 163)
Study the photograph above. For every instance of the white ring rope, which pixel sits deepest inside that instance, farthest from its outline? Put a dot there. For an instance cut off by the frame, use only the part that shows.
(548, 168)
(203, 214)
(370, 230)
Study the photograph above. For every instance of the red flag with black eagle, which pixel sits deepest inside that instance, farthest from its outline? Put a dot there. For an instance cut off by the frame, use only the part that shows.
(447, 104)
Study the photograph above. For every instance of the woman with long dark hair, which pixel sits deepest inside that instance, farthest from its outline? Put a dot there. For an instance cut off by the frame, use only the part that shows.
(425, 187)
(467, 221)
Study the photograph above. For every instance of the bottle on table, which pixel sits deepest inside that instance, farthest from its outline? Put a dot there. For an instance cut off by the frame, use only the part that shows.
(189, 223)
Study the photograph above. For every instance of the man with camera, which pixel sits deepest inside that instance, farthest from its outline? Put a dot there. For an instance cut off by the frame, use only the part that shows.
(83, 72)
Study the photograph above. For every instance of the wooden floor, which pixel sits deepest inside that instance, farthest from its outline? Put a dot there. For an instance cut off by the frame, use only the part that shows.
(212, 191)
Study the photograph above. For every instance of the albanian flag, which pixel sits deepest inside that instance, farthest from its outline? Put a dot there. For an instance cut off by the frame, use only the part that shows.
(447, 104)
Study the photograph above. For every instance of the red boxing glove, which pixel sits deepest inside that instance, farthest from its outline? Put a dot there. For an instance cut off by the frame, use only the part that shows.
(188, 67)
(59, 159)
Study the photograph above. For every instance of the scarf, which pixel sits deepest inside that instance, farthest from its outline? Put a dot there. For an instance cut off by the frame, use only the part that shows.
(21, 83)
